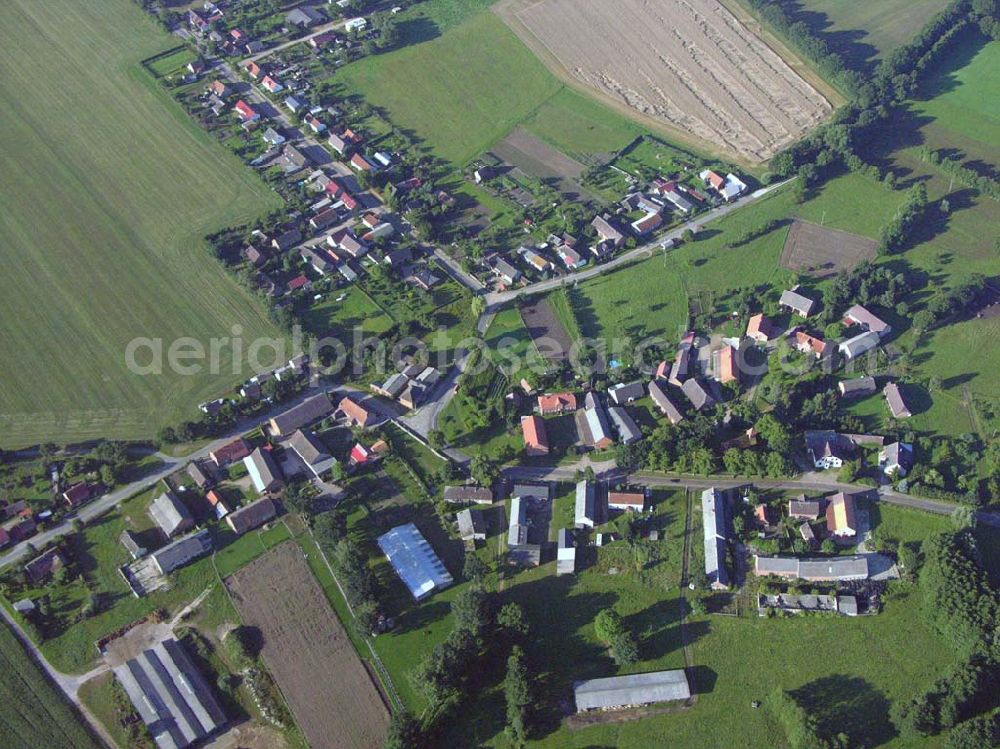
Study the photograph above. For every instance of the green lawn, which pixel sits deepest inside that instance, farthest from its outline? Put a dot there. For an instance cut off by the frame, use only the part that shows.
(339, 319)
(580, 126)
(109, 189)
(33, 713)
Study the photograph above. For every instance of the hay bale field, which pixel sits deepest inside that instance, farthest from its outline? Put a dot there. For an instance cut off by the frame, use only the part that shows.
(689, 65)
(305, 647)
(108, 191)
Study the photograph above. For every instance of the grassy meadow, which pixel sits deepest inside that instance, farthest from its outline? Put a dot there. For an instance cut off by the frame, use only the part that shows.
(108, 191)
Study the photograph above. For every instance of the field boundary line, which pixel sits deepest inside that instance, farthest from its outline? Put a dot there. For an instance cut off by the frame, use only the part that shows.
(383, 672)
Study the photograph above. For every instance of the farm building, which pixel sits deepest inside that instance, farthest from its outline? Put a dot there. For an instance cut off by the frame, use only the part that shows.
(634, 501)
(632, 690)
(894, 398)
(697, 394)
(713, 513)
(311, 409)
(170, 514)
(822, 569)
(477, 494)
(803, 509)
(170, 695)
(471, 525)
(761, 328)
(251, 516)
(520, 551)
(132, 545)
(663, 402)
(182, 551)
(556, 403)
(626, 392)
(311, 452)
(264, 472)
(856, 387)
(628, 430)
(355, 412)
(596, 430)
(200, 478)
(586, 504)
(728, 371)
(44, 565)
(802, 305)
(420, 569)
(858, 315)
(565, 552)
(858, 345)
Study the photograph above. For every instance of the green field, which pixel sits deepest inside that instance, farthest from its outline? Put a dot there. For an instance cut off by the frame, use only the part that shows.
(33, 712)
(862, 30)
(108, 191)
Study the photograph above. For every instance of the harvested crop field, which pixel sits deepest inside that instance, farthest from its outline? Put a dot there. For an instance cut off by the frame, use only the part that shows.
(551, 338)
(688, 64)
(304, 645)
(821, 252)
(547, 163)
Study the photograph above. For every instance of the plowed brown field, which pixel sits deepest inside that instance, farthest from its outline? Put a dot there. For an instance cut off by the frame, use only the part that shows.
(688, 64)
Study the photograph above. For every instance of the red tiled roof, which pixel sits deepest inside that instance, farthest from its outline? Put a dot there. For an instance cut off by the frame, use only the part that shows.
(556, 402)
(727, 365)
(298, 282)
(533, 429)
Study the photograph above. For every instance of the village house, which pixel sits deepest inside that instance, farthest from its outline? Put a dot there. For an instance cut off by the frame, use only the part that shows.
(628, 431)
(506, 272)
(264, 471)
(762, 329)
(858, 315)
(894, 399)
(728, 370)
(729, 187)
(472, 525)
(286, 240)
(535, 260)
(273, 85)
(312, 409)
(44, 565)
(238, 449)
(220, 89)
(697, 394)
(896, 459)
(595, 431)
(626, 392)
(792, 300)
(254, 256)
(311, 452)
(606, 232)
(663, 402)
(556, 403)
(565, 552)
(198, 476)
(715, 528)
(355, 412)
(246, 112)
(860, 344)
(273, 137)
(476, 494)
(809, 344)
(803, 509)
(304, 17)
(536, 440)
(299, 283)
(251, 516)
(627, 501)
(840, 516)
(78, 494)
(828, 449)
(170, 514)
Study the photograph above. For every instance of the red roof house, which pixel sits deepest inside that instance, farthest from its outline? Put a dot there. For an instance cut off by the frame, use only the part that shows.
(77, 494)
(246, 112)
(238, 449)
(536, 441)
(556, 403)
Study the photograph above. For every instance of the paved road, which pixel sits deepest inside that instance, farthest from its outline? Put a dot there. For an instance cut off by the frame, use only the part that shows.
(498, 298)
(456, 271)
(607, 471)
(300, 40)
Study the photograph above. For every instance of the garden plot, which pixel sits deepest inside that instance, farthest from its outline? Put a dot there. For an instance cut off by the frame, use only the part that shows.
(688, 64)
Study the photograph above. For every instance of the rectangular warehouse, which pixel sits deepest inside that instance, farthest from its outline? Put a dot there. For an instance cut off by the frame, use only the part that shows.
(170, 695)
(630, 691)
(420, 569)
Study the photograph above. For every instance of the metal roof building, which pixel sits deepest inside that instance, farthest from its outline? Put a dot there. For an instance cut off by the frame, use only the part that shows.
(312, 452)
(182, 551)
(566, 552)
(471, 524)
(628, 430)
(635, 689)
(713, 514)
(416, 563)
(517, 533)
(170, 695)
(264, 472)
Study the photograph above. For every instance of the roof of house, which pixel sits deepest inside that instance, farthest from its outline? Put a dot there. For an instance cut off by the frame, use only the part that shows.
(238, 449)
(420, 569)
(252, 515)
(533, 430)
(762, 326)
(44, 565)
(197, 475)
(628, 430)
(597, 423)
(355, 411)
(857, 386)
(517, 531)
(170, 695)
(624, 392)
(264, 472)
(814, 344)
(897, 406)
(477, 494)
(626, 499)
(634, 689)
(586, 505)
(552, 402)
(796, 301)
(898, 454)
(311, 451)
(859, 344)
(727, 365)
(840, 514)
(803, 508)
(861, 316)
(664, 403)
(170, 514)
(182, 551)
(78, 493)
(698, 396)
(471, 523)
(311, 409)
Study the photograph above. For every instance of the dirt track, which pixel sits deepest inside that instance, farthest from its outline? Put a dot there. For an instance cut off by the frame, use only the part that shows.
(689, 64)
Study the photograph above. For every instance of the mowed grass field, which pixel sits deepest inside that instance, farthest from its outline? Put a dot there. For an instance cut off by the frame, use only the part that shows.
(108, 190)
